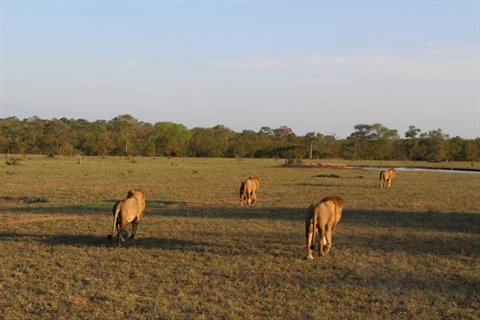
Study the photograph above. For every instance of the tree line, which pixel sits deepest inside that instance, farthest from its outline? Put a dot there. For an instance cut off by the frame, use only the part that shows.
(124, 135)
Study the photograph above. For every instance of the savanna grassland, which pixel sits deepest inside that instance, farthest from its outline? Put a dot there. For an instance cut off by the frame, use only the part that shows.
(408, 252)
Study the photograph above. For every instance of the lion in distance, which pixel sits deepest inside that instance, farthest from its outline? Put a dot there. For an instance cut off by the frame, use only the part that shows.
(126, 211)
(248, 190)
(323, 216)
(386, 177)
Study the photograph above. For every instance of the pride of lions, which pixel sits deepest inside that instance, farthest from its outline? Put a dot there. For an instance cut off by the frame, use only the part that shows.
(322, 217)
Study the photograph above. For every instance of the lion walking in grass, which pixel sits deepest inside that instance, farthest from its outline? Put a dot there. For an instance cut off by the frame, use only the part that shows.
(248, 190)
(323, 216)
(129, 210)
(386, 177)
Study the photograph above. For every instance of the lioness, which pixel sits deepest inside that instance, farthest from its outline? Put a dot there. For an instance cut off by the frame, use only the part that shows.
(248, 190)
(129, 210)
(323, 216)
(386, 177)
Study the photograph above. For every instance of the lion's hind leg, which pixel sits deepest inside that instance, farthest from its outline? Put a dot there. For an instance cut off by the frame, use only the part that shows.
(328, 240)
(119, 238)
(381, 179)
(243, 198)
(249, 198)
(254, 197)
(134, 230)
(321, 243)
(120, 230)
(309, 237)
(242, 193)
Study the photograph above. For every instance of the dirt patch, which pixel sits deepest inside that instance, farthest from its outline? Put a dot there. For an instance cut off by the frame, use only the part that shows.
(327, 176)
(11, 221)
(335, 176)
(320, 165)
(23, 199)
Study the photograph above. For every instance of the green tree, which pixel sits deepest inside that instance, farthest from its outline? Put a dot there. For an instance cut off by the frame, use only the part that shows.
(247, 144)
(99, 141)
(471, 150)
(204, 144)
(56, 134)
(79, 131)
(173, 138)
(144, 142)
(436, 145)
(412, 132)
(383, 139)
(455, 147)
(226, 138)
(11, 141)
(310, 139)
(372, 141)
(267, 132)
(327, 147)
(357, 144)
(282, 135)
(412, 148)
(124, 130)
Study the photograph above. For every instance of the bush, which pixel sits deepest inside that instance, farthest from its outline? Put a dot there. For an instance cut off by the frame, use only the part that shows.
(13, 162)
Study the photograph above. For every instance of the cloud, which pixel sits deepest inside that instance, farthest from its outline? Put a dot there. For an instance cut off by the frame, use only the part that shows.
(316, 82)
(133, 64)
(388, 65)
(438, 49)
(251, 63)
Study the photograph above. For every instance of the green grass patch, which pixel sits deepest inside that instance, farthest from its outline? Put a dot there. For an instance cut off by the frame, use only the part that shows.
(410, 251)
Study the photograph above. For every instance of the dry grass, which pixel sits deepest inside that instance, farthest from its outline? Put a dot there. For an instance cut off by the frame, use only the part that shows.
(410, 251)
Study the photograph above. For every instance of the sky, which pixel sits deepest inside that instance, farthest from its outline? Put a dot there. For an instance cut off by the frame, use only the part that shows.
(313, 66)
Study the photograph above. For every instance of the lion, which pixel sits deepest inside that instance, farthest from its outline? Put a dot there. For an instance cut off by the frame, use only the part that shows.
(248, 190)
(386, 177)
(323, 216)
(126, 211)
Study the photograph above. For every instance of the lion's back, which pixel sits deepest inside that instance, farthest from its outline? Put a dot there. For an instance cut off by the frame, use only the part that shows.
(392, 173)
(255, 180)
(329, 210)
(337, 201)
(252, 184)
(135, 204)
(324, 212)
(388, 174)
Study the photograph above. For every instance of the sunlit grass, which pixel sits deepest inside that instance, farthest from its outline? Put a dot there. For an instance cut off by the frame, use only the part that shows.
(410, 251)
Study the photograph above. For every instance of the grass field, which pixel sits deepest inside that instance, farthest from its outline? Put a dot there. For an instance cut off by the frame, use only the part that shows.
(408, 252)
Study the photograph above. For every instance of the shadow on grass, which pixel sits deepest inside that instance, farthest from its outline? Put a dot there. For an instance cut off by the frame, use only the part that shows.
(445, 222)
(412, 243)
(154, 203)
(80, 241)
(85, 209)
(387, 231)
(281, 245)
(427, 221)
(305, 184)
(99, 241)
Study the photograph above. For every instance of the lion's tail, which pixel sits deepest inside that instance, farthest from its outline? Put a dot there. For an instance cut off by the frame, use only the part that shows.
(312, 246)
(117, 209)
(380, 179)
(242, 190)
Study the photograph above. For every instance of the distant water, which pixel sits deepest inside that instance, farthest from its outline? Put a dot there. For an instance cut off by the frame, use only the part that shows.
(420, 169)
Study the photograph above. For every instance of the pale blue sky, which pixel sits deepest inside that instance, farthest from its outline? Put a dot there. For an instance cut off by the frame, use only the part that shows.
(320, 66)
